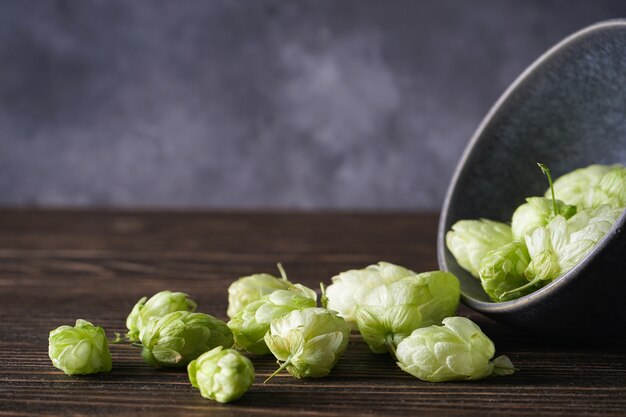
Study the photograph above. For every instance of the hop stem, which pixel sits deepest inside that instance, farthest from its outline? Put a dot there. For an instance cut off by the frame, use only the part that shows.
(391, 345)
(119, 339)
(276, 372)
(546, 171)
(535, 281)
(323, 299)
(283, 274)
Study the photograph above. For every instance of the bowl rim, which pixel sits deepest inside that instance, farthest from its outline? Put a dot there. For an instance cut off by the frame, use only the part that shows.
(568, 277)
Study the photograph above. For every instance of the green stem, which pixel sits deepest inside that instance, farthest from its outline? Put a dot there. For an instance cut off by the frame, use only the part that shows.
(523, 287)
(391, 345)
(283, 366)
(323, 299)
(119, 339)
(546, 171)
(283, 274)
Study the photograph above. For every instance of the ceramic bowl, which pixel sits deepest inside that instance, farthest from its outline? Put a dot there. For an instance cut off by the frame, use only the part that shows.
(567, 110)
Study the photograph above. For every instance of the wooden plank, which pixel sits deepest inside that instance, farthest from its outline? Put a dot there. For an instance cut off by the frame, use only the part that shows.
(59, 265)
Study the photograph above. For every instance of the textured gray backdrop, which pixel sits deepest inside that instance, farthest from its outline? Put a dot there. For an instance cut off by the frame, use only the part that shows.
(307, 104)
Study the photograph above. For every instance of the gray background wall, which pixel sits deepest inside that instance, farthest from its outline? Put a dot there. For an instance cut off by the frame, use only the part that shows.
(307, 104)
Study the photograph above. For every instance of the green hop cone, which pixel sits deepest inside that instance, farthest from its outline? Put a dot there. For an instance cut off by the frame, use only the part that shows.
(573, 188)
(562, 243)
(537, 212)
(391, 312)
(251, 288)
(470, 240)
(177, 338)
(250, 325)
(348, 288)
(308, 342)
(458, 350)
(610, 190)
(223, 375)
(80, 350)
(502, 272)
(158, 305)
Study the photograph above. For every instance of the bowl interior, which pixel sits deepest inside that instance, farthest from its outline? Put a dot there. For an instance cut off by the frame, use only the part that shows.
(568, 110)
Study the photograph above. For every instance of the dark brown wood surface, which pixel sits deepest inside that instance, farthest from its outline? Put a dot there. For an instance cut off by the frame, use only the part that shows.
(57, 266)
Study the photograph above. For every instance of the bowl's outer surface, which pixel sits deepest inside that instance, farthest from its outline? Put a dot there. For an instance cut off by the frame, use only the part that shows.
(567, 110)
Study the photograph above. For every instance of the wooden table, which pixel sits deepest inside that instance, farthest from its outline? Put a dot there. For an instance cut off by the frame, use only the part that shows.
(57, 266)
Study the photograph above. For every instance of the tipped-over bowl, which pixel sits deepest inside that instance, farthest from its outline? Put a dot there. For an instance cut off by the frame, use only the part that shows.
(567, 110)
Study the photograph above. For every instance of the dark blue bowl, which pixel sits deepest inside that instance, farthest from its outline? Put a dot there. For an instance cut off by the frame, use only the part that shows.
(567, 110)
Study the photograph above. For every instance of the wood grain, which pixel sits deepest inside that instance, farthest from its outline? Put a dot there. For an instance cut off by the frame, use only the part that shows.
(57, 266)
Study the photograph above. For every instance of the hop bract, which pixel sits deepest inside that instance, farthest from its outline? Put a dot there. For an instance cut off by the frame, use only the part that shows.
(308, 342)
(391, 312)
(250, 325)
(348, 288)
(537, 212)
(458, 350)
(158, 305)
(470, 240)
(79, 350)
(221, 374)
(251, 288)
(180, 337)
(502, 272)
